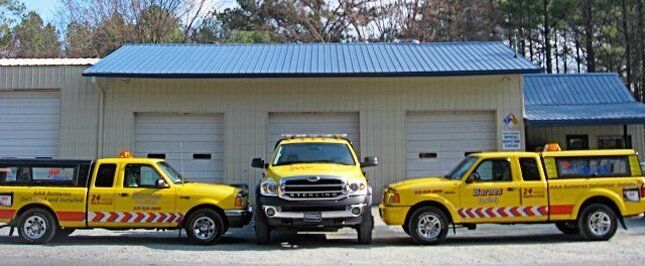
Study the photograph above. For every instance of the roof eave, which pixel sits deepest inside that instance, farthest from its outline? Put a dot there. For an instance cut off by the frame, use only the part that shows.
(585, 122)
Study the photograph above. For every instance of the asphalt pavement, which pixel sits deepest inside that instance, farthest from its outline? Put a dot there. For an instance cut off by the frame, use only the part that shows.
(489, 244)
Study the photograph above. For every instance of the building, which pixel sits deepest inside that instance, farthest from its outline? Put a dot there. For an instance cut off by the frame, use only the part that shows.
(209, 109)
(582, 111)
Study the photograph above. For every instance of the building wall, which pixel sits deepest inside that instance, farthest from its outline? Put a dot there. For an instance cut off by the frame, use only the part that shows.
(540, 135)
(79, 108)
(382, 104)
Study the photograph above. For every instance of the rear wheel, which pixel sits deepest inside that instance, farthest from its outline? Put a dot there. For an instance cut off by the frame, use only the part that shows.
(597, 222)
(262, 229)
(428, 225)
(364, 229)
(37, 226)
(568, 228)
(205, 226)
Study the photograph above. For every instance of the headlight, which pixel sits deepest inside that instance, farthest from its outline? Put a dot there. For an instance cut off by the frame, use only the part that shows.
(391, 197)
(269, 188)
(357, 188)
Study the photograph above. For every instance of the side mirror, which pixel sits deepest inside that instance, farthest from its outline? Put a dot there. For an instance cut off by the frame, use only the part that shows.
(369, 162)
(472, 178)
(258, 163)
(161, 183)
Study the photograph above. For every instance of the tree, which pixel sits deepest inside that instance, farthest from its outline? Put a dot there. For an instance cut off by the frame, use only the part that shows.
(157, 25)
(79, 41)
(35, 40)
(11, 11)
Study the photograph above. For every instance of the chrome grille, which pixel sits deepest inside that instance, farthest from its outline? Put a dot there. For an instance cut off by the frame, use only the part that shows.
(313, 188)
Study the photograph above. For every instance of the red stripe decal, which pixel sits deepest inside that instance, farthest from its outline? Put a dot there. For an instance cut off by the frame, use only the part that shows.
(162, 217)
(501, 212)
(113, 216)
(172, 218)
(98, 216)
(515, 212)
(490, 212)
(470, 213)
(181, 218)
(126, 217)
(139, 217)
(70, 216)
(480, 213)
(151, 218)
(528, 211)
(7, 214)
(561, 209)
(543, 210)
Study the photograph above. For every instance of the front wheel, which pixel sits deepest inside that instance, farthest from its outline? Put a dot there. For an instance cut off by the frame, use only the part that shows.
(428, 225)
(262, 229)
(364, 229)
(205, 226)
(568, 228)
(37, 226)
(597, 222)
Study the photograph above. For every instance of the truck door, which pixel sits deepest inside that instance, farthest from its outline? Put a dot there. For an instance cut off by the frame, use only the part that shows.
(139, 200)
(490, 194)
(100, 204)
(533, 190)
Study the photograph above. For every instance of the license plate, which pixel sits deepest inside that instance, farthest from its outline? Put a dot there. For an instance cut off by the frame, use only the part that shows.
(313, 216)
(6, 200)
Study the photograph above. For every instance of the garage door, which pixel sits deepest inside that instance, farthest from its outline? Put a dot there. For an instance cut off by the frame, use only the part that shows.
(436, 142)
(192, 144)
(312, 123)
(30, 124)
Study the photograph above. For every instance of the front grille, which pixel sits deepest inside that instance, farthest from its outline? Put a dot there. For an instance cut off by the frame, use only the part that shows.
(304, 188)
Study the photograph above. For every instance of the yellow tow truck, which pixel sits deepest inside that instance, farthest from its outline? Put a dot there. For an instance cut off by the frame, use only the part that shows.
(47, 198)
(581, 192)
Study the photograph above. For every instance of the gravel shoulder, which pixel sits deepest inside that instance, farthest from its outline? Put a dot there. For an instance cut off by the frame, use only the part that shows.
(489, 244)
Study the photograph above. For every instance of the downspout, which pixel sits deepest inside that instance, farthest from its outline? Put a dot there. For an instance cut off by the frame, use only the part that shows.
(627, 145)
(101, 120)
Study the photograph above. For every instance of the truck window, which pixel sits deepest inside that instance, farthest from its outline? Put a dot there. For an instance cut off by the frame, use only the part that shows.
(140, 175)
(105, 175)
(596, 166)
(8, 174)
(529, 169)
(493, 170)
(53, 175)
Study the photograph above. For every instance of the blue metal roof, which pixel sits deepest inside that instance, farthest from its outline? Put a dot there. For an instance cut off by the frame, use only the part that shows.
(311, 60)
(579, 99)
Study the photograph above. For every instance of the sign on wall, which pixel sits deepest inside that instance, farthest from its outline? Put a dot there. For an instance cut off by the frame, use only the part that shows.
(511, 135)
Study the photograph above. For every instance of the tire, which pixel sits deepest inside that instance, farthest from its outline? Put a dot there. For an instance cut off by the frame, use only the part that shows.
(568, 228)
(597, 222)
(64, 233)
(37, 226)
(364, 230)
(261, 228)
(406, 229)
(438, 223)
(204, 226)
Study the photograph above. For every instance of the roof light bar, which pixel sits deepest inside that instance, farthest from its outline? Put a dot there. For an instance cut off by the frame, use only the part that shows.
(293, 136)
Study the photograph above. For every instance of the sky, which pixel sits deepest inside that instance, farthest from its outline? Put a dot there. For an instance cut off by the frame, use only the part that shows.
(45, 8)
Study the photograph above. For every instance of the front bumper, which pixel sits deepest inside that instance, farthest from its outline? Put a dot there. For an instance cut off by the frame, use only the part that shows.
(238, 218)
(336, 213)
(393, 215)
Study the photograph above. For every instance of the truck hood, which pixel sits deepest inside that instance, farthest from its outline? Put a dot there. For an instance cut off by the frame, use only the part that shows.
(425, 182)
(320, 169)
(208, 188)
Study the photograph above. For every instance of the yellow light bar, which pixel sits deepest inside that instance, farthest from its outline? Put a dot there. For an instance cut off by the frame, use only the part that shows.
(294, 136)
(552, 147)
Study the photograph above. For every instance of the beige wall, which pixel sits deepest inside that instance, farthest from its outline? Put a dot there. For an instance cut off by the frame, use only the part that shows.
(79, 103)
(540, 135)
(381, 102)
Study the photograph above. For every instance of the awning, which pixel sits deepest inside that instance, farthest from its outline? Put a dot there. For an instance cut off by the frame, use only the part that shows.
(605, 114)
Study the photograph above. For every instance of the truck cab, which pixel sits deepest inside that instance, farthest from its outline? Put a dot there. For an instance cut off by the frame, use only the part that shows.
(44, 198)
(314, 182)
(581, 192)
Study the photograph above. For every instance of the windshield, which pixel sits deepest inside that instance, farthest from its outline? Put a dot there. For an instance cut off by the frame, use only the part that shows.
(461, 169)
(170, 172)
(337, 153)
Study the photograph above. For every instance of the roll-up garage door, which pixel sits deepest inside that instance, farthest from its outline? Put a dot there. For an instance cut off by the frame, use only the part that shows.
(312, 123)
(193, 144)
(30, 124)
(436, 142)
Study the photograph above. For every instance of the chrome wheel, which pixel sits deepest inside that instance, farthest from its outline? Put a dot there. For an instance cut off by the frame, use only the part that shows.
(204, 228)
(429, 226)
(599, 223)
(35, 227)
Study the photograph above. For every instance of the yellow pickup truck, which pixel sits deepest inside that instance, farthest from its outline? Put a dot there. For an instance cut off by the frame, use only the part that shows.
(582, 192)
(47, 198)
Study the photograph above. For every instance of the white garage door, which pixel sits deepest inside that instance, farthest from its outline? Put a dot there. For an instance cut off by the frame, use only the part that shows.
(312, 123)
(192, 144)
(30, 124)
(436, 142)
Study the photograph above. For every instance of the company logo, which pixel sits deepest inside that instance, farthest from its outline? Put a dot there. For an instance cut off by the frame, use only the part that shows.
(511, 120)
(313, 179)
